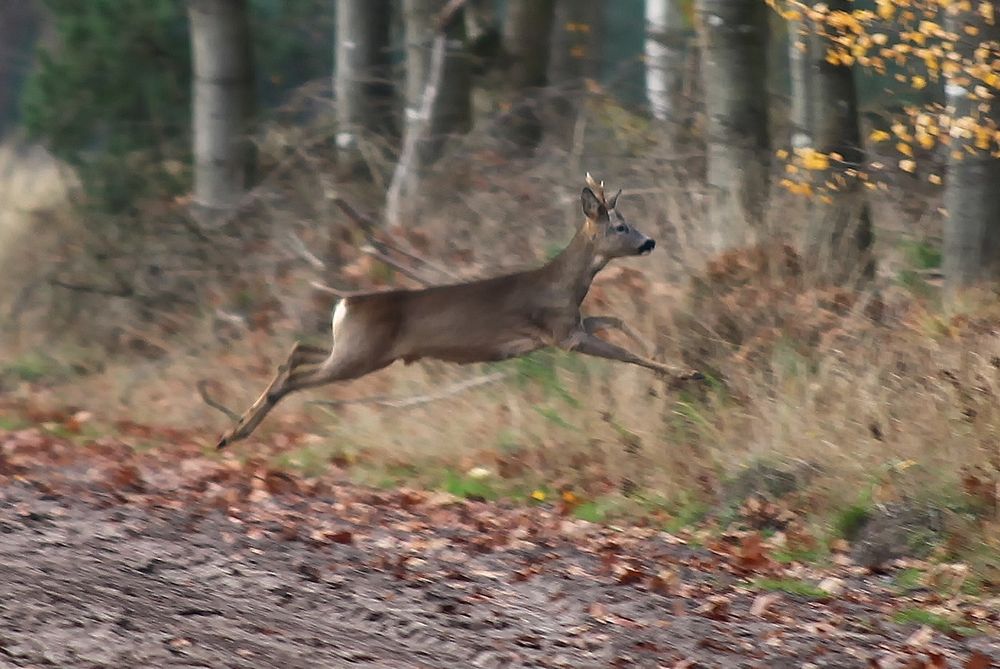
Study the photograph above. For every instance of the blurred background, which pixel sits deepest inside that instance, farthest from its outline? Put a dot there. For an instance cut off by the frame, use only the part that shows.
(821, 180)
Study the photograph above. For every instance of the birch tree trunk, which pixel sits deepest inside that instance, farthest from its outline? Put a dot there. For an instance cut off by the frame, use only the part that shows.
(972, 226)
(362, 81)
(451, 111)
(839, 235)
(665, 51)
(734, 78)
(526, 35)
(799, 66)
(223, 100)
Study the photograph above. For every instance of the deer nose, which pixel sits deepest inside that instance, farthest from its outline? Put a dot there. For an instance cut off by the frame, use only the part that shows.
(647, 246)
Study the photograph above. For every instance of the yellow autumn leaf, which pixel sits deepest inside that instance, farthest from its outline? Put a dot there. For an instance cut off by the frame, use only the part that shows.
(879, 136)
(983, 137)
(905, 149)
(814, 160)
(538, 495)
(935, 179)
(918, 82)
(908, 166)
(986, 11)
(885, 8)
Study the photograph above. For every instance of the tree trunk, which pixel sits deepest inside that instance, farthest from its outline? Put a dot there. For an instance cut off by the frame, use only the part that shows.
(839, 235)
(575, 51)
(665, 50)
(223, 100)
(19, 27)
(734, 79)
(972, 226)
(362, 80)
(526, 42)
(576, 42)
(451, 111)
(799, 66)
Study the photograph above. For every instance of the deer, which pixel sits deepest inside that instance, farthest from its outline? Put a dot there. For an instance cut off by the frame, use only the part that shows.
(485, 320)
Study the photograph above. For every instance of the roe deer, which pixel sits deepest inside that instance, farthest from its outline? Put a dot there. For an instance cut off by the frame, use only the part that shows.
(479, 321)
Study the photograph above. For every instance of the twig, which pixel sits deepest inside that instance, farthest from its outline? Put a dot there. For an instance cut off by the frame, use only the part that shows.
(374, 252)
(299, 247)
(207, 399)
(330, 290)
(368, 227)
(417, 400)
(123, 291)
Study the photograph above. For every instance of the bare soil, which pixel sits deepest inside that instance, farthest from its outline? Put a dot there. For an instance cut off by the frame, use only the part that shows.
(115, 559)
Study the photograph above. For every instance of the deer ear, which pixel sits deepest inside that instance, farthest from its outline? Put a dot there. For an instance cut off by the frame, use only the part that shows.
(613, 202)
(591, 205)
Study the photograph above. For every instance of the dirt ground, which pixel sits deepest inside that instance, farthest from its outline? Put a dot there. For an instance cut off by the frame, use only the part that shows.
(110, 559)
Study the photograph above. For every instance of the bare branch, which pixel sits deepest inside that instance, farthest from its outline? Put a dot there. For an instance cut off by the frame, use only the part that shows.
(202, 387)
(299, 248)
(416, 400)
(400, 267)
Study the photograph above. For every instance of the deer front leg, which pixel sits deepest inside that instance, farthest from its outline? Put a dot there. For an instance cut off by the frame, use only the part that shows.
(588, 344)
(594, 324)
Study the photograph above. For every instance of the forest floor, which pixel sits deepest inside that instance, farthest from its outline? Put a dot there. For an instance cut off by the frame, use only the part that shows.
(113, 557)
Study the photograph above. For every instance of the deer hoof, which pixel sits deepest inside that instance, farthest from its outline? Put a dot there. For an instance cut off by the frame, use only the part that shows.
(224, 441)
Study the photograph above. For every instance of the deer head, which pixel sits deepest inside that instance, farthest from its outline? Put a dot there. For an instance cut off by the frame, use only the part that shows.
(607, 228)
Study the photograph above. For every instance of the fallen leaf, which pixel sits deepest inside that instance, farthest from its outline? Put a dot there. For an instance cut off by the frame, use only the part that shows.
(978, 661)
(832, 586)
(921, 637)
(763, 602)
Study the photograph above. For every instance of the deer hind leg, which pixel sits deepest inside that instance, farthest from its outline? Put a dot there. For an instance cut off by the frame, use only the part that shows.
(301, 372)
(300, 355)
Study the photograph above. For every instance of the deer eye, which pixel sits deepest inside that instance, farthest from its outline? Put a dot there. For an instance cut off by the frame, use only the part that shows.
(621, 227)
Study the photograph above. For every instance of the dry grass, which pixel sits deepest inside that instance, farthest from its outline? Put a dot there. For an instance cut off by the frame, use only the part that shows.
(880, 396)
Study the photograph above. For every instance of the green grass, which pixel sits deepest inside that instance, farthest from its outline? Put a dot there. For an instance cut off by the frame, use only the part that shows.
(849, 521)
(460, 485)
(915, 616)
(32, 367)
(816, 555)
(908, 580)
(12, 423)
(790, 586)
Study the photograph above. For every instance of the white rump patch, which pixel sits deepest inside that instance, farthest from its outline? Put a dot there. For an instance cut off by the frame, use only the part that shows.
(339, 313)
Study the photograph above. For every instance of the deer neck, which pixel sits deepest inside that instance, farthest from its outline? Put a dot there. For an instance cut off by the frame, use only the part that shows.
(572, 271)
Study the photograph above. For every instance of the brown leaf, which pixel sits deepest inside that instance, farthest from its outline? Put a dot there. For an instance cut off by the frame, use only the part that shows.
(126, 477)
(665, 582)
(752, 555)
(978, 661)
(598, 611)
(627, 575)
(921, 637)
(715, 607)
(763, 602)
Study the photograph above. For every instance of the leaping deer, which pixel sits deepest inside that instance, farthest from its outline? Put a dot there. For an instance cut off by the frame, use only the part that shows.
(479, 321)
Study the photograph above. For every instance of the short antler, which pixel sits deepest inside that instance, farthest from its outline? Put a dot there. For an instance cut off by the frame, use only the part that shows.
(598, 188)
